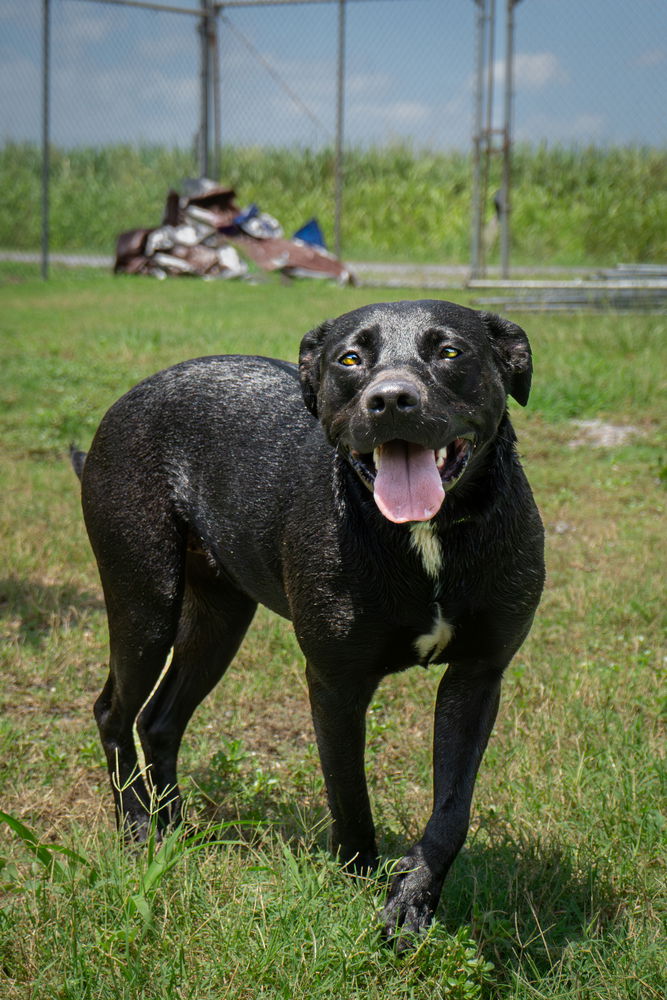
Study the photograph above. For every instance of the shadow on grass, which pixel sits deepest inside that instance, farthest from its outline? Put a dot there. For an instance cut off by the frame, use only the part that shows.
(524, 901)
(291, 807)
(30, 609)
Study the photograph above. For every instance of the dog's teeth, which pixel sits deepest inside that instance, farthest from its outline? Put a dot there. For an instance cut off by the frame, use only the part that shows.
(441, 457)
(376, 458)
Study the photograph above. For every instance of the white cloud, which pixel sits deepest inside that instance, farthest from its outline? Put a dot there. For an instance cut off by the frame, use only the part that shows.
(164, 47)
(368, 83)
(16, 12)
(651, 58)
(389, 113)
(16, 77)
(81, 27)
(583, 128)
(408, 112)
(134, 104)
(533, 70)
(19, 114)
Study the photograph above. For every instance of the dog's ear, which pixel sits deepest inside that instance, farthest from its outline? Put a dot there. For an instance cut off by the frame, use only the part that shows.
(513, 354)
(309, 363)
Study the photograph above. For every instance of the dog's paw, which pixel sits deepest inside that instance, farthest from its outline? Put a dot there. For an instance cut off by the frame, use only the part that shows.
(411, 903)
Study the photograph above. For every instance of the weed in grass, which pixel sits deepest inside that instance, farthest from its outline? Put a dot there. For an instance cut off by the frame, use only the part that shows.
(226, 778)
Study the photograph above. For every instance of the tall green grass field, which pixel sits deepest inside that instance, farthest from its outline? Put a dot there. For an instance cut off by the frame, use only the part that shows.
(571, 207)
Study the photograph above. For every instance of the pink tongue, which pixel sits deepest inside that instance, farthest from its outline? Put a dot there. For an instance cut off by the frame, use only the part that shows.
(407, 485)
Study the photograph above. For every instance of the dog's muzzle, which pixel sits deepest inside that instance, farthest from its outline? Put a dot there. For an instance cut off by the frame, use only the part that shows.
(409, 481)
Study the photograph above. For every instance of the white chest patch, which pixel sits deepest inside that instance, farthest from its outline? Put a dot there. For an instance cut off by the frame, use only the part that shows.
(430, 646)
(425, 541)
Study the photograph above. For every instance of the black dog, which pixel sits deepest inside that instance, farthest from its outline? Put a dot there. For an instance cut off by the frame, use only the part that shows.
(397, 528)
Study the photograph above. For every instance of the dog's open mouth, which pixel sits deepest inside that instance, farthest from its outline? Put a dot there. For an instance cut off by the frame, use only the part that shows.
(409, 481)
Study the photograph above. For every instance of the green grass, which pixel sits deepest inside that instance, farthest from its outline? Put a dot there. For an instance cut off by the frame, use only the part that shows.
(587, 206)
(560, 890)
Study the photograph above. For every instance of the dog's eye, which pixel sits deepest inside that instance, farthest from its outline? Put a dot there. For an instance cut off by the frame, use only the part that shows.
(448, 352)
(350, 359)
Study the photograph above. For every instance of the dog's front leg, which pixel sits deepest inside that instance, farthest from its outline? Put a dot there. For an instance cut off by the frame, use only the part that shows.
(466, 709)
(339, 717)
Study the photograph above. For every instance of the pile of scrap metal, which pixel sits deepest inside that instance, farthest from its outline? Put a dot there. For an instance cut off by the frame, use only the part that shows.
(205, 233)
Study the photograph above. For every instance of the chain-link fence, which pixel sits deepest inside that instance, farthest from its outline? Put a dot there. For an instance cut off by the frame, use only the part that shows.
(365, 106)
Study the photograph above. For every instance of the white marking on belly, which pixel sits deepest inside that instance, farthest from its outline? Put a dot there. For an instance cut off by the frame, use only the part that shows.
(430, 646)
(424, 539)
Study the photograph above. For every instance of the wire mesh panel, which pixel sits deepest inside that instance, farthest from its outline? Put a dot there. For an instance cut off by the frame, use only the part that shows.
(20, 115)
(407, 130)
(125, 100)
(593, 73)
(405, 88)
(277, 83)
(409, 67)
(123, 75)
(123, 110)
(20, 79)
(589, 163)
(389, 83)
(278, 76)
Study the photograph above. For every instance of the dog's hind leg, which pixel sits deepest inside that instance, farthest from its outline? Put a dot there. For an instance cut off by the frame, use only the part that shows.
(214, 619)
(141, 563)
(138, 655)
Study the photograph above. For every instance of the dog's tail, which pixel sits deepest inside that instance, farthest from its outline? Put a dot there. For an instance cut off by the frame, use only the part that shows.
(77, 458)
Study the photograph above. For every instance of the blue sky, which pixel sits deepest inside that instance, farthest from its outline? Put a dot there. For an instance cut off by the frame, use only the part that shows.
(585, 71)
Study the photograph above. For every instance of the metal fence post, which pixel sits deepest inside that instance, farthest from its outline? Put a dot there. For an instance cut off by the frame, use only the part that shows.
(217, 130)
(46, 57)
(476, 207)
(506, 197)
(487, 144)
(204, 91)
(340, 115)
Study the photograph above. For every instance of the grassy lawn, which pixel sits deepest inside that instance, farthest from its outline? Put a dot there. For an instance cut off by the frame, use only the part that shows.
(560, 890)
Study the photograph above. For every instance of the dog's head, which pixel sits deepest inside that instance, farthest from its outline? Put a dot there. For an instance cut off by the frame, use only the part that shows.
(412, 393)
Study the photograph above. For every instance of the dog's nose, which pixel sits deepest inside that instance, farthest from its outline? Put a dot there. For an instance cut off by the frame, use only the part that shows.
(392, 396)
